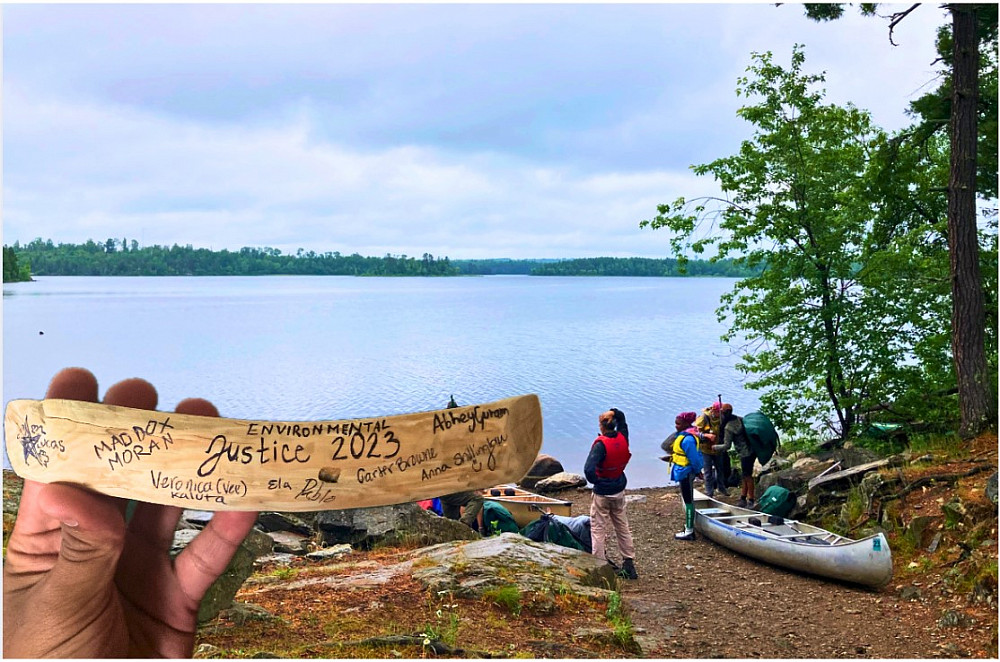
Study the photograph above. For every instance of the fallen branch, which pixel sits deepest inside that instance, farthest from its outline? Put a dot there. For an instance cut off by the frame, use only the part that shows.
(927, 480)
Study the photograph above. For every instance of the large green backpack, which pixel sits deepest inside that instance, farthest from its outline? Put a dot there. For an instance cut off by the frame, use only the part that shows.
(776, 500)
(761, 434)
(497, 520)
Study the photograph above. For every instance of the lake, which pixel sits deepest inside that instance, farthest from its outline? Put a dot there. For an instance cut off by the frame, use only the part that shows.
(329, 347)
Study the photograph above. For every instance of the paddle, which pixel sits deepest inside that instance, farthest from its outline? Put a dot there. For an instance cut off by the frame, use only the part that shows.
(229, 464)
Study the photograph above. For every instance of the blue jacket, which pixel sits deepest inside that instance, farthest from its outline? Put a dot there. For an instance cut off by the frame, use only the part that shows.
(695, 462)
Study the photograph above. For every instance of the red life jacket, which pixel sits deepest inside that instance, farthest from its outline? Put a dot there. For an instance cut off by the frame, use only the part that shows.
(616, 458)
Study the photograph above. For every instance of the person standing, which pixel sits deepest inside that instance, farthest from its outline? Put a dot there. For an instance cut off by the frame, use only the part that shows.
(687, 463)
(733, 434)
(605, 468)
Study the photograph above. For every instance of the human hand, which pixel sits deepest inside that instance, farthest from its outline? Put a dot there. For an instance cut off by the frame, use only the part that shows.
(79, 582)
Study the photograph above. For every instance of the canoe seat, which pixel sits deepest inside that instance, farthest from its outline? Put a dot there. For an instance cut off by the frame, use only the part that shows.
(715, 512)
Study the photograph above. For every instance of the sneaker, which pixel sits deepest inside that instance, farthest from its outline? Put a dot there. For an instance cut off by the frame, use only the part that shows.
(742, 503)
(685, 535)
(628, 570)
(723, 491)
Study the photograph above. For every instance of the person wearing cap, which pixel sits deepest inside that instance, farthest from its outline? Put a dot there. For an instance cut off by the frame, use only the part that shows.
(734, 435)
(605, 468)
(715, 470)
(687, 463)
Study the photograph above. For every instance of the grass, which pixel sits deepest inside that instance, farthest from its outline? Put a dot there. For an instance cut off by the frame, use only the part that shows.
(621, 622)
(507, 597)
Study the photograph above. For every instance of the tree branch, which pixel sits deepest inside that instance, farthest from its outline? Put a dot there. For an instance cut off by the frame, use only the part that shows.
(896, 18)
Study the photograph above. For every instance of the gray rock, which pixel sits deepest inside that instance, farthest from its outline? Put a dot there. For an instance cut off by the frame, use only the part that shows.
(991, 488)
(326, 553)
(804, 462)
(953, 619)
(270, 521)
(286, 542)
(909, 593)
(560, 481)
(470, 568)
(544, 466)
(408, 522)
(197, 518)
(220, 594)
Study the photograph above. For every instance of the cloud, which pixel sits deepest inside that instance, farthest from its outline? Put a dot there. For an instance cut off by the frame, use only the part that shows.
(460, 130)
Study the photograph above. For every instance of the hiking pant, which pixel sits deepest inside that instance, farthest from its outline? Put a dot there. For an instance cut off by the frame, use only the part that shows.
(608, 512)
(714, 473)
(452, 507)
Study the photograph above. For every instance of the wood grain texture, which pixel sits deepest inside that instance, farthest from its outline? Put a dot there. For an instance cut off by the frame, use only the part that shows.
(229, 464)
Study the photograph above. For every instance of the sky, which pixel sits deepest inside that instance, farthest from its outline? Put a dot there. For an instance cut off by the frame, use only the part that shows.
(467, 131)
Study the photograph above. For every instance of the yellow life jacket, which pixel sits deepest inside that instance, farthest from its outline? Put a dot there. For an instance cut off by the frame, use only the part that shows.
(680, 458)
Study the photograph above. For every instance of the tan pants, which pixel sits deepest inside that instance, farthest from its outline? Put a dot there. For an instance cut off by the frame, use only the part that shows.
(608, 512)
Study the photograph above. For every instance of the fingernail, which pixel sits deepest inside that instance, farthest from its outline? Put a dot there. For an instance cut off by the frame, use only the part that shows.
(71, 523)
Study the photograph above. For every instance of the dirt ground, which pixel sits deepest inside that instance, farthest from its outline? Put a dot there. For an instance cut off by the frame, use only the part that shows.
(699, 600)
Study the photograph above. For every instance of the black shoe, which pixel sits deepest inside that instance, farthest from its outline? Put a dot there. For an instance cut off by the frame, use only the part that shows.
(628, 570)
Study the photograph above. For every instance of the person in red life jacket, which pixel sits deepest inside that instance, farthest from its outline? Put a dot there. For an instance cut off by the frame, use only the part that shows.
(687, 463)
(605, 468)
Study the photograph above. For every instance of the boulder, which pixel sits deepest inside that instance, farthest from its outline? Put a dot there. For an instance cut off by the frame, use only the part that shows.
(560, 481)
(804, 462)
(286, 542)
(469, 568)
(220, 594)
(991, 488)
(544, 466)
(270, 521)
(407, 522)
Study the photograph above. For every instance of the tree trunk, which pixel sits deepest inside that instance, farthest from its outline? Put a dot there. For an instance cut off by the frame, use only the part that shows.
(968, 319)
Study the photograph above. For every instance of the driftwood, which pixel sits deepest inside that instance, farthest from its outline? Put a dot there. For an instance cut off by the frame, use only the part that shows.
(859, 470)
(228, 464)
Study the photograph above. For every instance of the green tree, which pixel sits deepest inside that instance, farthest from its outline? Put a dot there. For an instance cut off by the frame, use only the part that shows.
(965, 102)
(14, 270)
(805, 199)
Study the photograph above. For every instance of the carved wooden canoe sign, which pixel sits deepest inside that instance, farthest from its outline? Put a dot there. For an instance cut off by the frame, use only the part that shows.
(211, 463)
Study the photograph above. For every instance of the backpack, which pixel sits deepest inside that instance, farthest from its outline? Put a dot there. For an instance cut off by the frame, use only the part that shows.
(776, 500)
(497, 520)
(548, 529)
(761, 434)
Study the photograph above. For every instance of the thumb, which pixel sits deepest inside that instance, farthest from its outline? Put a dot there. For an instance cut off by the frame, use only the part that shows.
(93, 534)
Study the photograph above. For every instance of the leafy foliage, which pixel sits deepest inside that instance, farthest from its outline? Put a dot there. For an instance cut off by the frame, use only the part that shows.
(851, 309)
(14, 270)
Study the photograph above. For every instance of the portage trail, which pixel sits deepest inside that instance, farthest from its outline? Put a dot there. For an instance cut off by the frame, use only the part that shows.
(700, 600)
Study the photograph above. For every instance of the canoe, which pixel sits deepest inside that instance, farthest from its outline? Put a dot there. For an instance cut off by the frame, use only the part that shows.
(526, 506)
(794, 545)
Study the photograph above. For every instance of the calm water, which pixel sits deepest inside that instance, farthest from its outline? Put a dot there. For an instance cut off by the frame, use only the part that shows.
(303, 348)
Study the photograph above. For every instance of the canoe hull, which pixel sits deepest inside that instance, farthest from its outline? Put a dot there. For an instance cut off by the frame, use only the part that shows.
(526, 506)
(867, 562)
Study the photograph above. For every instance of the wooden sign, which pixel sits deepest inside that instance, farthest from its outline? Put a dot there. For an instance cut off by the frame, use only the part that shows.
(210, 463)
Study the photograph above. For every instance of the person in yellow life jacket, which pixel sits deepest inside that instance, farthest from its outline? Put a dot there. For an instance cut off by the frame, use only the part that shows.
(708, 425)
(687, 463)
(605, 468)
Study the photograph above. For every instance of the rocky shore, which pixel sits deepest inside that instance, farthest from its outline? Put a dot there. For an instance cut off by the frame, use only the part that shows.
(399, 582)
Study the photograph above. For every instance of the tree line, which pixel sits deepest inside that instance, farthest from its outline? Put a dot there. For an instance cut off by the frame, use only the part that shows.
(126, 258)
